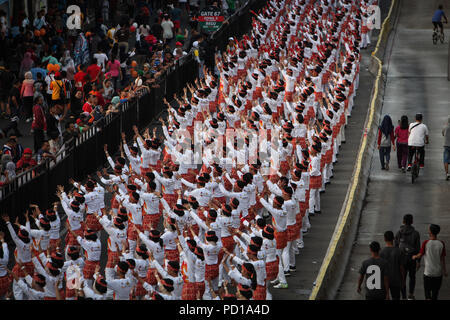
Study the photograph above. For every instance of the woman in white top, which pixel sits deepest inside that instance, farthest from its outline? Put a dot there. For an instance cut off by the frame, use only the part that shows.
(167, 26)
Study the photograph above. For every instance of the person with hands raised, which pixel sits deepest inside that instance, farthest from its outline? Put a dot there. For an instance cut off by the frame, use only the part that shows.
(22, 240)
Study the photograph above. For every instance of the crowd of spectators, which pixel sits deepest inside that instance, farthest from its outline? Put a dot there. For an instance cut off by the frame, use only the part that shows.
(65, 81)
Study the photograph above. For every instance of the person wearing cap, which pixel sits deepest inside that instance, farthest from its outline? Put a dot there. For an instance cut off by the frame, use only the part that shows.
(279, 220)
(168, 185)
(155, 247)
(71, 271)
(211, 247)
(92, 249)
(133, 156)
(192, 268)
(315, 182)
(151, 207)
(5, 279)
(40, 237)
(172, 272)
(51, 272)
(74, 216)
(133, 204)
(22, 240)
(141, 270)
(94, 195)
(31, 287)
(117, 237)
(98, 290)
(149, 152)
(124, 282)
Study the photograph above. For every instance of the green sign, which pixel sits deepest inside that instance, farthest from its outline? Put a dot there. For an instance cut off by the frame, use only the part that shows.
(210, 19)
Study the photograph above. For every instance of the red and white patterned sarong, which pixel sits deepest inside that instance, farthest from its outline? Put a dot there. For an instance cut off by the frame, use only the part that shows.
(272, 269)
(189, 291)
(71, 240)
(259, 293)
(291, 232)
(315, 182)
(200, 288)
(5, 283)
(228, 243)
(281, 238)
(89, 269)
(92, 223)
(139, 290)
(113, 259)
(211, 271)
(150, 221)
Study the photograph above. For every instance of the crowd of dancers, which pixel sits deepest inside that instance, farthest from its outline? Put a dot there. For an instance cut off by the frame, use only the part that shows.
(217, 206)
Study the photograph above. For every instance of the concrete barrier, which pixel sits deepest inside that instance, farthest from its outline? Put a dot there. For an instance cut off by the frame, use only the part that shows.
(335, 262)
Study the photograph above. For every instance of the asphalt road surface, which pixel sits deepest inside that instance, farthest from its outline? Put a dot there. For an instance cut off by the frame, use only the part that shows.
(416, 82)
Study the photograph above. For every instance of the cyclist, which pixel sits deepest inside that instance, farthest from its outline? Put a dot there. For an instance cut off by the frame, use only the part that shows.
(437, 19)
(418, 137)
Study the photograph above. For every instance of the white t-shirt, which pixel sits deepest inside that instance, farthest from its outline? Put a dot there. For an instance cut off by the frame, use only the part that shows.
(101, 60)
(167, 26)
(417, 134)
(433, 250)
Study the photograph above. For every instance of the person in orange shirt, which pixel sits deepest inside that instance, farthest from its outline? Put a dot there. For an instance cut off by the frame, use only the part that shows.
(58, 90)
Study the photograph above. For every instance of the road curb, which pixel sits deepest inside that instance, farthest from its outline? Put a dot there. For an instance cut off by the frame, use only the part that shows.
(334, 264)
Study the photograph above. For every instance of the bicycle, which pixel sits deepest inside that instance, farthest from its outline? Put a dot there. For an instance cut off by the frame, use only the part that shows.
(438, 35)
(415, 167)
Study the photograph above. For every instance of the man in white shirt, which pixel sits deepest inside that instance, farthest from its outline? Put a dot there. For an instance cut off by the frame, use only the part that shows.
(418, 137)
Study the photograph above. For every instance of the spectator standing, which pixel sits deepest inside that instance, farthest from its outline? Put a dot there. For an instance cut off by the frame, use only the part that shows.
(401, 137)
(446, 134)
(122, 36)
(39, 125)
(408, 240)
(26, 65)
(375, 272)
(385, 139)
(7, 80)
(114, 71)
(433, 251)
(105, 10)
(101, 59)
(13, 110)
(396, 270)
(17, 149)
(53, 125)
(167, 26)
(58, 90)
(27, 93)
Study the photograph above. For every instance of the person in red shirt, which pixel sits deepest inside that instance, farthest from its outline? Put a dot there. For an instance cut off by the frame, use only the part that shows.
(94, 72)
(39, 124)
(401, 137)
(90, 103)
(26, 161)
(80, 78)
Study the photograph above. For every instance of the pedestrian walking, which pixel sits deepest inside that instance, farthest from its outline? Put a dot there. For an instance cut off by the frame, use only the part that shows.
(401, 135)
(396, 269)
(385, 139)
(433, 251)
(375, 271)
(408, 240)
(446, 134)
